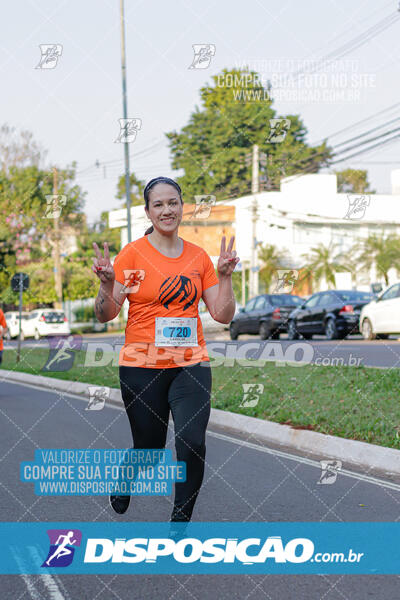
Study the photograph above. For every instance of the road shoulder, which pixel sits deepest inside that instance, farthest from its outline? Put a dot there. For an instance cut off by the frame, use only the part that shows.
(360, 454)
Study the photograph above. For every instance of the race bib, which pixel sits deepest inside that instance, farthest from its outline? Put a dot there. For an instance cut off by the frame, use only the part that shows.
(175, 331)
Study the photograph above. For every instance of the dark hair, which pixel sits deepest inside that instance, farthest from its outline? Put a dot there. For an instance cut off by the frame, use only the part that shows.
(151, 184)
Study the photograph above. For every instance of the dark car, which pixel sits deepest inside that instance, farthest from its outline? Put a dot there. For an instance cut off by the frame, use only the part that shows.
(334, 313)
(266, 315)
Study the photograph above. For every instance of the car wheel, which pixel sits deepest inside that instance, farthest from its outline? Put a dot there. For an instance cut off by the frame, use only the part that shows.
(233, 331)
(293, 334)
(36, 335)
(367, 331)
(331, 331)
(265, 332)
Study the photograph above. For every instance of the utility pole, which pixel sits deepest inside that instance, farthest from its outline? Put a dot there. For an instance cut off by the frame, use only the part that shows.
(243, 282)
(125, 116)
(253, 283)
(56, 248)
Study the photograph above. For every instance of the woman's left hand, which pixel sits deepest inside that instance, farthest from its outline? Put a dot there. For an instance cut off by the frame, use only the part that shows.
(227, 258)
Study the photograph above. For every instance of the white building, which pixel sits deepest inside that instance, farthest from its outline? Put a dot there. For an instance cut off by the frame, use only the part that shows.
(306, 212)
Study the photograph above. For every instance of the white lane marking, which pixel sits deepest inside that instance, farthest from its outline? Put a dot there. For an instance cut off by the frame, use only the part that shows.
(233, 440)
(304, 460)
(47, 579)
(27, 579)
(62, 392)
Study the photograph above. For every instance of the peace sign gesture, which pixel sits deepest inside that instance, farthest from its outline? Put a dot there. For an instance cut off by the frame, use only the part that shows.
(102, 266)
(227, 258)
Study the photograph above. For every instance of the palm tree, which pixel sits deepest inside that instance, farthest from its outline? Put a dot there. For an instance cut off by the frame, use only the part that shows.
(323, 263)
(382, 252)
(272, 260)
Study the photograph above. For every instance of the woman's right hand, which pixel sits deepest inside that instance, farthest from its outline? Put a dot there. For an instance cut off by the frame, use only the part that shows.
(102, 266)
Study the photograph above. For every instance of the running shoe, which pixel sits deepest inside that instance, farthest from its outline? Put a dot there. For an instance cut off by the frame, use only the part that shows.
(119, 503)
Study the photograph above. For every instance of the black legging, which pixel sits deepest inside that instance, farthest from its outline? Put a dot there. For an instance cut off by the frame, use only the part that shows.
(149, 395)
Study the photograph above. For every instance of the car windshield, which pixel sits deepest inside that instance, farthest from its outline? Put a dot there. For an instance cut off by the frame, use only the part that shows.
(54, 317)
(353, 296)
(285, 300)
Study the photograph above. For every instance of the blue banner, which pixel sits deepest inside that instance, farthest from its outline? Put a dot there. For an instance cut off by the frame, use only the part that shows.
(251, 548)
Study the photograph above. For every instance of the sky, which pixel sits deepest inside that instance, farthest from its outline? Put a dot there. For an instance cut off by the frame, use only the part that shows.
(73, 109)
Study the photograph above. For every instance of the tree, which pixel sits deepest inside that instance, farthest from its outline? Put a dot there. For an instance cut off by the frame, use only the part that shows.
(98, 232)
(322, 262)
(26, 233)
(136, 185)
(42, 285)
(350, 261)
(382, 252)
(79, 282)
(18, 149)
(272, 260)
(353, 181)
(214, 146)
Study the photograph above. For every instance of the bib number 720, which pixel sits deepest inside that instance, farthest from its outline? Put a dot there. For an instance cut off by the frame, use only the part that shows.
(177, 332)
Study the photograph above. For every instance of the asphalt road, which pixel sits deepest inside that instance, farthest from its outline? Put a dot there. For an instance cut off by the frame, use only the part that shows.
(352, 351)
(244, 481)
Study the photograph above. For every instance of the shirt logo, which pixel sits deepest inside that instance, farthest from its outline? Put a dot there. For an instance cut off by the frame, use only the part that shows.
(132, 280)
(175, 287)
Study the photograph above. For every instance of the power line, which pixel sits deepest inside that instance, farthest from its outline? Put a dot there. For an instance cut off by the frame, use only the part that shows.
(355, 43)
(349, 127)
(311, 169)
(367, 141)
(318, 153)
(383, 143)
(115, 170)
(369, 131)
(366, 36)
(121, 160)
(390, 3)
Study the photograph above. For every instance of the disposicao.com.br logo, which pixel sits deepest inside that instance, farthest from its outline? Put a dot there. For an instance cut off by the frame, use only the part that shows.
(203, 547)
(247, 551)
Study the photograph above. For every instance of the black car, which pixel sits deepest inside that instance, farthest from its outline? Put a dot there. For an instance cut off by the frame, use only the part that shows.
(266, 314)
(334, 313)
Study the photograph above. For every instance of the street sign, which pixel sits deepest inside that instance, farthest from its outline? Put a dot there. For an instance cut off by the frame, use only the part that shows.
(20, 283)
(16, 282)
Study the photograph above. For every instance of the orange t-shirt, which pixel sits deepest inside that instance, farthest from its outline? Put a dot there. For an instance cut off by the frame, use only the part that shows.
(3, 323)
(161, 286)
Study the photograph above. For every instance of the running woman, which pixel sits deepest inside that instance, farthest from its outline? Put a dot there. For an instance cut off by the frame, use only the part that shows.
(164, 365)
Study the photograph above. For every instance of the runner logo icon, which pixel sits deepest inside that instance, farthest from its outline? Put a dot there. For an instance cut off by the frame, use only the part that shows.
(61, 551)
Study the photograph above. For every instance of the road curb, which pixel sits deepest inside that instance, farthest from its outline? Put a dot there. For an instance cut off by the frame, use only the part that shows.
(362, 454)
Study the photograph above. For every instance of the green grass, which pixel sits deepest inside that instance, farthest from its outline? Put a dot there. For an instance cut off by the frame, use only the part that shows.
(350, 402)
